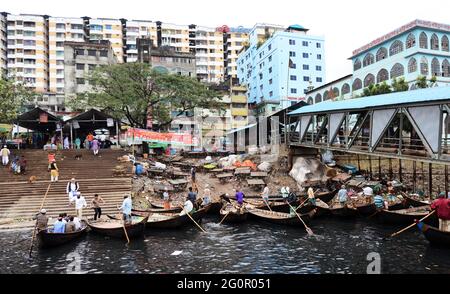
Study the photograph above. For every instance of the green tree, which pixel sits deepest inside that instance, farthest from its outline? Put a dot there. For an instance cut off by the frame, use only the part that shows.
(376, 89)
(421, 82)
(14, 96)
(399, 85)
(432, 82)
(129, 90)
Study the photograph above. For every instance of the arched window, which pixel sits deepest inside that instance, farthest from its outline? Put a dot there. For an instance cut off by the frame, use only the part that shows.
(310, 101)
(325, 96)
(424, 66)
(444, 43)
(397, 71)
(413, 87)
(382, 75)
(396, 48)
(446, 68)
(318, 98)
(423, 40)
(357, 84)
(434, 42)
(369, 80)
(412, 65)
(335, 92)
(357, 64)
(368, 59)
(381, 53)
(345, 89)
(410, 41)
(435, 67)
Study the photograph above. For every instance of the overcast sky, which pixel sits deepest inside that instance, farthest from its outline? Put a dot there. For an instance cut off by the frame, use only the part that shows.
(345, 24)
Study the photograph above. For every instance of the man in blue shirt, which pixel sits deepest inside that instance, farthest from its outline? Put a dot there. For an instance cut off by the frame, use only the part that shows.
(59, 226)
(342, 195)
(239, 197)
(192, 196)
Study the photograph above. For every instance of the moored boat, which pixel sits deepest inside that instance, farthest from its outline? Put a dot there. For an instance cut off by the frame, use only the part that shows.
(49, 239)
(143, 212)
(232, 214)
(175, 220)
(115, 228)
(345, 210)
(280, 218)
(406, 216)
(414, 200)
(435, 236)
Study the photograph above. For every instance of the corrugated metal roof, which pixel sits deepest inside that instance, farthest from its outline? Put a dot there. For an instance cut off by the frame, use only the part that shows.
(241, 128)
(392, 99)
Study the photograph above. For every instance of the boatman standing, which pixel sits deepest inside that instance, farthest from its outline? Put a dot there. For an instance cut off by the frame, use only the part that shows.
(442, 207)
(41, 220)
(239, 197)
(126, 208)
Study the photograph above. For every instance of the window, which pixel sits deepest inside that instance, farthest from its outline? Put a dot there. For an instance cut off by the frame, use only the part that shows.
(293, 91)
(260, 76)
(60, 90)
(357, 64)
(91, 67)
(383, 75)
(59, 71)
(80, 66)
(319, 56)
(92, 52)
(60, 35)
(381, 54)
(79, 51)
(293, 65)
(293, 78)
(271, 93)
(59, 44)
(291, 54)
(59, 53)
(305, 67)
(269, 47)
(444, 43)
(60, 81)
(396, 48)
(108, 36)
(326, 96)
(345, 89)
(435, 67)
(424, 66)
(29, 42)
(369, 80)
(29, 33)
(410, 41)
(270, 82)
(318, 98)
(434, 42)
(412, 65)
(368, 59)
(305, 43)
(270, 69)
(261, 87)
(318, 68)
(108, 27)
(445, 68)
(291, 42)
(319, 80)
(423, 41)
(270, 58)
(357, 84)
(306, 79)
(59, 62)
(103, 53)
(76, 26)
(80, 81)
(305, 55)
(60, 26)
(96, 28)
(318, 45)
(29, 70)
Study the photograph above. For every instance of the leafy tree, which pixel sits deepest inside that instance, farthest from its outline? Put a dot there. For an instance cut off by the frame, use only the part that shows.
(376, 89)
(14, 96)
(130, 90)
(399, 85)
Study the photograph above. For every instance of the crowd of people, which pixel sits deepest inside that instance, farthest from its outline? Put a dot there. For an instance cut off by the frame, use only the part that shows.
(63, 224)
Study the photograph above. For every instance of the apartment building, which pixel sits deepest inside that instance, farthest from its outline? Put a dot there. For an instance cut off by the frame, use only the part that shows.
(61, 30)
(3, 44)
(209, 52)
(138, 29)
(174, 36)
(27, 50)
(234, 40)
(110, 30)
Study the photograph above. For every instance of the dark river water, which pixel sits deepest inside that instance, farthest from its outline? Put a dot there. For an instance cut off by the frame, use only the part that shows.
(338, 246)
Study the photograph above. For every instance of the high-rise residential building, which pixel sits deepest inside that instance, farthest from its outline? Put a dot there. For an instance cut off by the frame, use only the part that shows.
(173, 36)
(234, 40)
(209, 52)
(3, 44)
(27, 50)
(419, 48)
(279, 66)
(136, 29)
(60, 30)
(107, 29)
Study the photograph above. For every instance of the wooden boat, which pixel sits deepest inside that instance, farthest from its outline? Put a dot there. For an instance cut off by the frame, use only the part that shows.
(326, 196)
(215, 208)
(397, 204)
(49, 239)
(435, 236)
(233, 214)
(156, 210)
(346, 210)
(160, 204)
(174, 220)
(279, 218)
(321, 208)
(366, 209)
(414, 200)
(259, 203)
(114, 227)
(406, 216)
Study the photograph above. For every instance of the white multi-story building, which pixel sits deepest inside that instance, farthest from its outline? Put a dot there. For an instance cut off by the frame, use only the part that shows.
(3, 44)
(138, 29)
(209, 55)
(27, 45)
(108, 29)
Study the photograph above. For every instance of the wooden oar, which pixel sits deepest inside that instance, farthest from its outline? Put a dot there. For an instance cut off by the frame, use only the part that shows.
(224, 217)
(35, 227)
(410, 226)
(125, 230)
(193, 219)
(308, 230)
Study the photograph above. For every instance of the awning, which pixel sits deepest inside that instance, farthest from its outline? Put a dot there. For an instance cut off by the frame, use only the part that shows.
(38, 120)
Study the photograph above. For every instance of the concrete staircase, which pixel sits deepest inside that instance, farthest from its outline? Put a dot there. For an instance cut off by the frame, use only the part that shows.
(20, 199)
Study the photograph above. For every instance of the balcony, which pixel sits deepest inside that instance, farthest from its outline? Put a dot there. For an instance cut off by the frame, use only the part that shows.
(239, 99)
(239, 111)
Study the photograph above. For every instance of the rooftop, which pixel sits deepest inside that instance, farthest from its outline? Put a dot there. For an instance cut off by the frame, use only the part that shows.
(379, 101)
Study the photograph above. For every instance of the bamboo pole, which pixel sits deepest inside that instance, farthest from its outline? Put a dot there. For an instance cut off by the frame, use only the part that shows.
(410, 226)
(35, 227)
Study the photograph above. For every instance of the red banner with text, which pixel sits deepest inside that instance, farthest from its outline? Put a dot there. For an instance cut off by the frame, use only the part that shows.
(140, 135)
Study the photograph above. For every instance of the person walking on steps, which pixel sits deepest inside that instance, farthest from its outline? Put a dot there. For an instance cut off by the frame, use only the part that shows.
(54, 171)
(5, 155)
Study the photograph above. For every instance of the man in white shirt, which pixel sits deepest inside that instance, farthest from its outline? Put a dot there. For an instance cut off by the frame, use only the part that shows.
(77, 223)
(72, 190)
(188, 207)
(206, 195)
(265, 194)
(80, 203)
(126, 208)
(5, 155)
